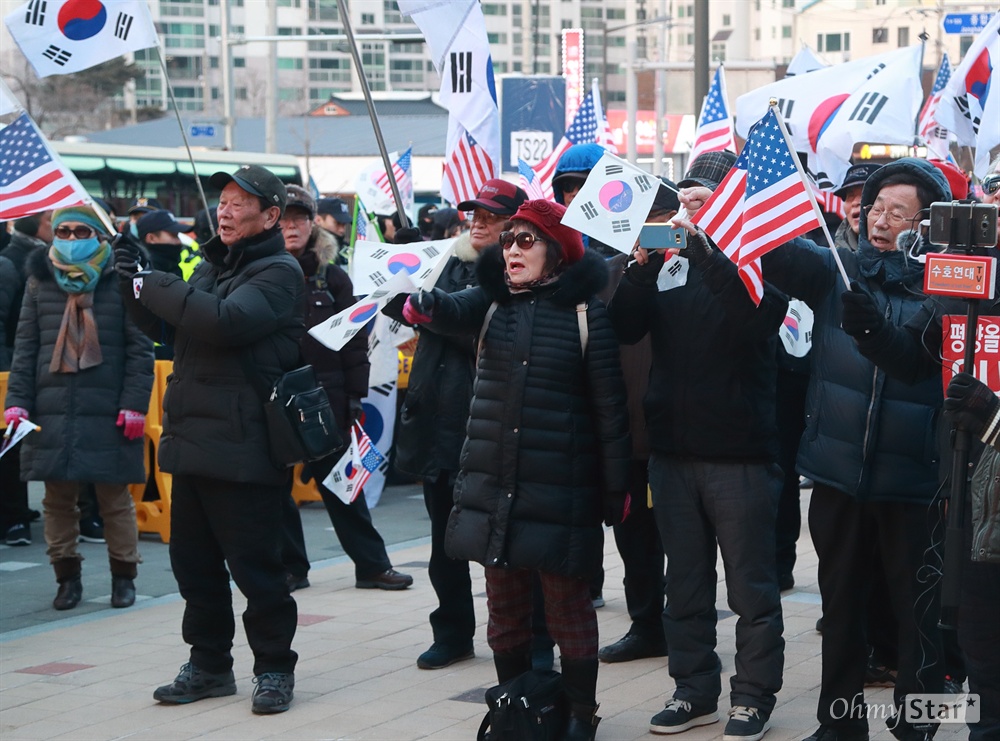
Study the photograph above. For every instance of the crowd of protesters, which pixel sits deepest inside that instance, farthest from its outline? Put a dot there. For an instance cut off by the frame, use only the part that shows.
(558, 386)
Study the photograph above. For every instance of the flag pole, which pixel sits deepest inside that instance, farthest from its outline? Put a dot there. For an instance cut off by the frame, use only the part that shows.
(404, 220)
(773, 103)
(920, 71)
(187, 146)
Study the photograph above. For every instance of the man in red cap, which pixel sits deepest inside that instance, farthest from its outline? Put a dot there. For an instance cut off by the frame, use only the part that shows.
(433, 418)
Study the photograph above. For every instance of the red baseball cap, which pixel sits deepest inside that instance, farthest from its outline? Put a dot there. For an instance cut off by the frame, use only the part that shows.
(496, 196)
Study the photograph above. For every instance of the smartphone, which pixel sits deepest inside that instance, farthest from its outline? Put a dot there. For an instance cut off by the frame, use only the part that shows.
(662, 237)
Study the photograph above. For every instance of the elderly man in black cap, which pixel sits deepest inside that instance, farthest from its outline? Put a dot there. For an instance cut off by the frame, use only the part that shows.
(714, 483)
(850, 193)
(240, 314)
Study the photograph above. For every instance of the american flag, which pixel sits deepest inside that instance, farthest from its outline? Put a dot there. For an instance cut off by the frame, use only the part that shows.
(466, 168)
(530, 183)
(363, 229)
(715, 125)
(402, 173)
(935, 135)
(762, 203)
(583, 130)
(827, 201)
(32, 179)
(367, 459)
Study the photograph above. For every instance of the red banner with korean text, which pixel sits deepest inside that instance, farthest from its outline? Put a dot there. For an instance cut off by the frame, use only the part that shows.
(987, 359)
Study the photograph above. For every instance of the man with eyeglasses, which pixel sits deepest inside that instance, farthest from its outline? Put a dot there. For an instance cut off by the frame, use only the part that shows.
(870, 449)
(242, 307)
(911, 353)
(433, 419)
(850, 192)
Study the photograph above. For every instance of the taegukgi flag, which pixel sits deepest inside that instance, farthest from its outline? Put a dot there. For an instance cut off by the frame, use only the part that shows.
(59, 37)
(338, 329)
(375, 263)
(613, 203)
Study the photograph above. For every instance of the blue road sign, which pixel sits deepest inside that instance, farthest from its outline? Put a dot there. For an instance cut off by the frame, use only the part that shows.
(202, 130)
(968, 24)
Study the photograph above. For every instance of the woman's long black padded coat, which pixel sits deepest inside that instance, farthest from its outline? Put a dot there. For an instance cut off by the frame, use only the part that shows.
(78, 412)
(548, 428)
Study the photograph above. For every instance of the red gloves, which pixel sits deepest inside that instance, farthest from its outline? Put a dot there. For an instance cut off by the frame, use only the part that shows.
(11, 415)
(133, 422)
(418, 307)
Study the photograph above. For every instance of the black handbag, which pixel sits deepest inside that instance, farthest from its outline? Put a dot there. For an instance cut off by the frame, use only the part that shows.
(300, 423)
(530, 707)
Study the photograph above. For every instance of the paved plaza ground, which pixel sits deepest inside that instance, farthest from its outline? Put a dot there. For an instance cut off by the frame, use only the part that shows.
(89, 674)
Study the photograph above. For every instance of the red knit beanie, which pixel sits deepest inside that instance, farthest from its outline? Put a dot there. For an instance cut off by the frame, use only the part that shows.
(546, 216)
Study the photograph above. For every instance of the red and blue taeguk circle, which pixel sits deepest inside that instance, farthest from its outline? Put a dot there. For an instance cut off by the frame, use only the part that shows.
(82, 19)
(404, 261)
(363, 313)
(615, 196)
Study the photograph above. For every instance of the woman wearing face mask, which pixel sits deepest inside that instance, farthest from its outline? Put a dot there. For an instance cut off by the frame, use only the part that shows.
(82, 372)
(548, 432)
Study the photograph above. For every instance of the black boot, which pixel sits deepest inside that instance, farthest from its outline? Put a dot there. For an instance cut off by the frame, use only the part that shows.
(70, 587)
(122, 584)
(513, 664)
(579, 678)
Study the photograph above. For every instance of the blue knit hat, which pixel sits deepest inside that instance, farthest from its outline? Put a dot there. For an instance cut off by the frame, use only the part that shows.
(83, 214)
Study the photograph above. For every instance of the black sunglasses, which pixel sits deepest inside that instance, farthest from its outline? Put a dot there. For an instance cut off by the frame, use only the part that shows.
(79, 232)
(525, 240)
(991, 184)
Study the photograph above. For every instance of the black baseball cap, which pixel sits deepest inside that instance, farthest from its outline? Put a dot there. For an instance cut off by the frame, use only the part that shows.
(855, 178)
(158, 221)
(143, 205)
(256, 180)
(498, 197)
(335, 207)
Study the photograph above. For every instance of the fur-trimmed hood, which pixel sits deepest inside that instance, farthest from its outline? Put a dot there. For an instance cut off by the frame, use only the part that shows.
(322, 244)
(464, 250)
(579, 282)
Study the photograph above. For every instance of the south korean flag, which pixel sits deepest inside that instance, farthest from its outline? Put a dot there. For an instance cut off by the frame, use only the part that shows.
(613, 203)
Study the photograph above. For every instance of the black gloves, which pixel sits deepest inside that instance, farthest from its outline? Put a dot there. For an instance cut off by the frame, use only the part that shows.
(698, 249)
(973, 407)
(616, 507)
(861, 313)
(645, 275)
(355, 410)
(127, 255)
(407, 235)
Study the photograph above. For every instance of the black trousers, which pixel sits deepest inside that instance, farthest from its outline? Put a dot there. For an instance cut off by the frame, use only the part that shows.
(791, 418)
(845, 532)
(13, 493)
(979, 637)
(218, 524)
(638, 541)
(351, 522)
(454, 621)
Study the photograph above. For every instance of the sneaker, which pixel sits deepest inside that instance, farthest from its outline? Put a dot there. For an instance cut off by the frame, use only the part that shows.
(193, 684)
(630, 648)
(18, 535)
(296, 582)
(879, 676)
(91, 531)
(390, 579)
(598, 601)
(746, 724)
(273, 693)
(680, 715)
(440, 655)
(829, 733)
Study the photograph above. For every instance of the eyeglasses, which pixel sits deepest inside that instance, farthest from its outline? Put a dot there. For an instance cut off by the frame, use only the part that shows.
(77, 232)
(991, 184)
(485, 217)
(297, 221)
(892, 218)
(525, 240)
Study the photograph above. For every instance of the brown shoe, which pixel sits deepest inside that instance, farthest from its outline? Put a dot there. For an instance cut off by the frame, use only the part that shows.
(389, 579)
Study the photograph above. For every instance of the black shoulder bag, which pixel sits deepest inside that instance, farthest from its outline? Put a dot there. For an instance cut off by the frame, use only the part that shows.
(529, 707)
(300, 423)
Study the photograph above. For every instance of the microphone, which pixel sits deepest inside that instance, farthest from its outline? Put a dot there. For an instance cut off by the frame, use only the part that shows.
(911, 243)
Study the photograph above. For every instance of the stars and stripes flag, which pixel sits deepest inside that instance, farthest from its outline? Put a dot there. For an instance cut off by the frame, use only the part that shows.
(928, 127)
(402, 173)
(715, 125)
(583, 130)
(347, 479)
(762, 203)
(530, 183)
(467, 167)
(827, 201)
(62, 36)
(32, 177)
(604, 135)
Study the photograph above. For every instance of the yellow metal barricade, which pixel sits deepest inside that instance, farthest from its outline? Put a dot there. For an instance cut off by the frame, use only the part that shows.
(153, 516)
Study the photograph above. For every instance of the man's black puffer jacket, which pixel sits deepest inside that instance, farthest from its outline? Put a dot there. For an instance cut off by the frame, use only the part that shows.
(548, 428)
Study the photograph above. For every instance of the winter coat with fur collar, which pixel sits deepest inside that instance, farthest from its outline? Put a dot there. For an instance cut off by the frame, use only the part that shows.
(548, 427)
